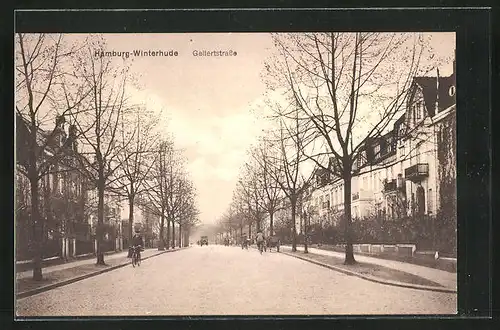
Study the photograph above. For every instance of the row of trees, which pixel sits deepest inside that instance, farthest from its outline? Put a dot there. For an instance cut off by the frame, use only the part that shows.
(121, 151)
(330, 94)
(170, 195)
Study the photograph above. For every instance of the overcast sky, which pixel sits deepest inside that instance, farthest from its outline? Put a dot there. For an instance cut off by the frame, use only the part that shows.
(206, 101)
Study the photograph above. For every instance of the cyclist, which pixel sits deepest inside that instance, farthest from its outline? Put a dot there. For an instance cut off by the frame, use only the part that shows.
(137, 244)
(260, 240)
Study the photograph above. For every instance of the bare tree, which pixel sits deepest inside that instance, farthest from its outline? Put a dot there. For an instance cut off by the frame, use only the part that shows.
(263, 165)
(190, 221)
(347, 88)
(136, 159)
(241, 203)
(169, 192)
(99, 125)
(240, 213)
(307, 211)
(250, 196)
(177, 191)
(40, 72)
(186, 210)
(154, 197)
(287, 170)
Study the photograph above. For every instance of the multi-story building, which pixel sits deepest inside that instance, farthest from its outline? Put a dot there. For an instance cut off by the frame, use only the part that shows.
(410, 170)
(112, 225)
(61, 189)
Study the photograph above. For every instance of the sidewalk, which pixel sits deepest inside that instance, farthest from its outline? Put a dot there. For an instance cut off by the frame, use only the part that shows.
(74, 263)
(63, 274)
(444, 278)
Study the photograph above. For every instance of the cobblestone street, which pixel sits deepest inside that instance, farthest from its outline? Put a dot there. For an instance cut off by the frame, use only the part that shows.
(218, 280)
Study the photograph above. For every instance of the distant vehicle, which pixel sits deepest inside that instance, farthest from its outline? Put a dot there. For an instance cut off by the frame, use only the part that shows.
(274, 242)
(204, 240)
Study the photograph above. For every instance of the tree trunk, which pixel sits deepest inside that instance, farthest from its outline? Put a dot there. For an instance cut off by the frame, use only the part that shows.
(250, 230)
(37, 223)
(306, 232)
(168, 234)
(180, 235)
(173, 234)
(271, 221)
(100, 221)
(161, 243)
(294, 228)
(130, 223)
(349, 253)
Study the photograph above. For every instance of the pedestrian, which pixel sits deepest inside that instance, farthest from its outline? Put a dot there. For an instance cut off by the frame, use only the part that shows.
(260, 240)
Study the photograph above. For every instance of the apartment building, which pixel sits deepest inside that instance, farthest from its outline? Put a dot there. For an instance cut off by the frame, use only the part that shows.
(410, 170)
(61, 189)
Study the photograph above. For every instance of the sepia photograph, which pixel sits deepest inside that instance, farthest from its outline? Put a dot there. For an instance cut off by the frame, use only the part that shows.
(235, 174)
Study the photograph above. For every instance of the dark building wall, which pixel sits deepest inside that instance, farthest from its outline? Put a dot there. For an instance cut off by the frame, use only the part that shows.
(447, 178)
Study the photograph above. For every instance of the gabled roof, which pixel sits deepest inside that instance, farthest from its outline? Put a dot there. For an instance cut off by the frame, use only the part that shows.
(430, 92)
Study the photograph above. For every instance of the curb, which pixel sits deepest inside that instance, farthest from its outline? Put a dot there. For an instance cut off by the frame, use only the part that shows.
(82, 277)
(417, 262)
(372, 279)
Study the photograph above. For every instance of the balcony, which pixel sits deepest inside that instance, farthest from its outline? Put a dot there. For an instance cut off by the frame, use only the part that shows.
(417, 172)
(390, 186)
(394, 186)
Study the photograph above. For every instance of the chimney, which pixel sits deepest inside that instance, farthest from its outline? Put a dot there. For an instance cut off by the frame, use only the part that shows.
(437, 92)
(60, 134)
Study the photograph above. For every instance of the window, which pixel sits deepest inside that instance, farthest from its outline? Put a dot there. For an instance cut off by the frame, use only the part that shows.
(73, 188)
(430, 205)
(420, 200)
(389, 146)
(46, 180)
(418, 110)
(376, 151)
(401, 131)
(355, 212)
(60, 183)
(402, 150)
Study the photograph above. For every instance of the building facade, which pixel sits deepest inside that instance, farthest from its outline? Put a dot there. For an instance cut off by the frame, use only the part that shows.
(408, 171)
(62, 194)
(68, 202)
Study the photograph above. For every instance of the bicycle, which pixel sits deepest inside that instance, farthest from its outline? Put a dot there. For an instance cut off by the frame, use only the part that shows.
(261, 247)
(136, 256)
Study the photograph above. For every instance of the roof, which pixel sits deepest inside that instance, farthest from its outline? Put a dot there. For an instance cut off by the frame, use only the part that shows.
(23, 129)
(430, 92)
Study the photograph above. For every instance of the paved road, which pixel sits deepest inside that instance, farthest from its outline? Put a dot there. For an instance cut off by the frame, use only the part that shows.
(219, 280)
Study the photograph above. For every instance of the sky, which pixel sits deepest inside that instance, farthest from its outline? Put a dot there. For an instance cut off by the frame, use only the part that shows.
(206, 102)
